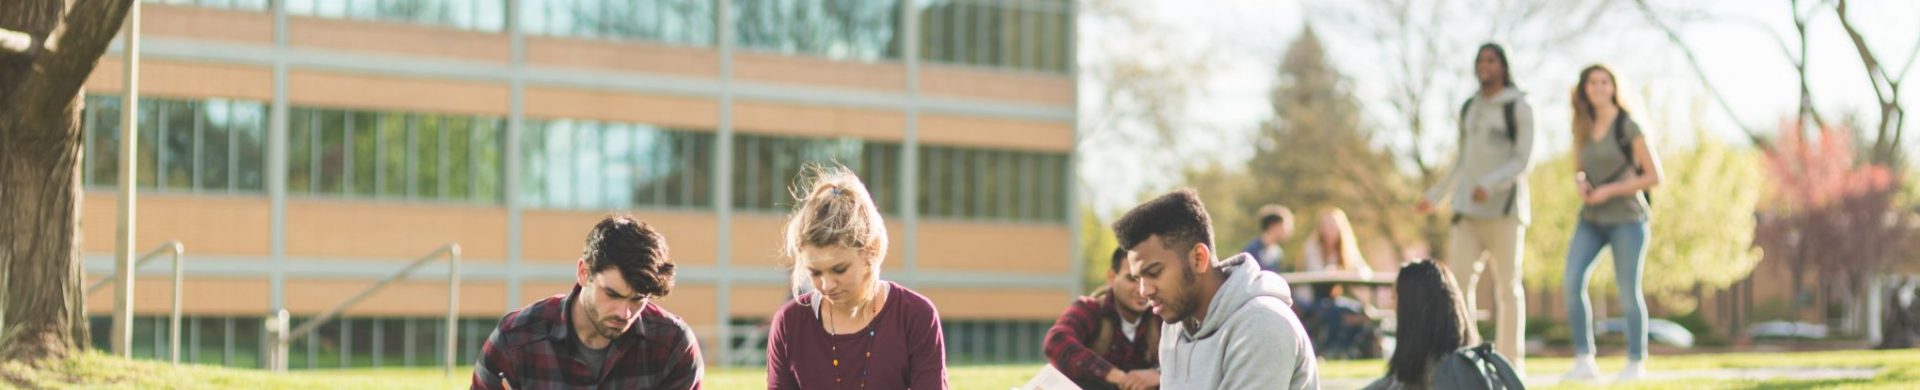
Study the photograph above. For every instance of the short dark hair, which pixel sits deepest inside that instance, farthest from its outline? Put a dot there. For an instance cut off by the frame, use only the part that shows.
(1177, 217)
(1119, 257)
(636, 249)
(1499, 53)
(1275, 214)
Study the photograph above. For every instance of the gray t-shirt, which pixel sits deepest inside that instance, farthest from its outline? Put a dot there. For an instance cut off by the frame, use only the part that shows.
(1605, 162)
(596, 359)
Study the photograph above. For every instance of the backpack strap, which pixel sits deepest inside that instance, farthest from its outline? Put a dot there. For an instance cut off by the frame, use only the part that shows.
(1513, 136)
(1513, 132)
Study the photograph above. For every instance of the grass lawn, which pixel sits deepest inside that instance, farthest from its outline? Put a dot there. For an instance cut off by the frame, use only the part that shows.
(1898, 369)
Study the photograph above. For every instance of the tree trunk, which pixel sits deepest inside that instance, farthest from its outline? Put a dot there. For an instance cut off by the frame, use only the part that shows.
(40, 240)
(45, 314)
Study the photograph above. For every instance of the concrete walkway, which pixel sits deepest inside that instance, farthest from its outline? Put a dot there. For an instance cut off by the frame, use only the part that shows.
(1797, 373)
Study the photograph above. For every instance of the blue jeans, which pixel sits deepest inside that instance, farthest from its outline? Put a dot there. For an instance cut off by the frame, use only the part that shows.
(1629, 249)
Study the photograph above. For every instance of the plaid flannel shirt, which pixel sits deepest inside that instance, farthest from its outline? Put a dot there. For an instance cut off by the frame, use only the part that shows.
(1070, 343)
(534, 349)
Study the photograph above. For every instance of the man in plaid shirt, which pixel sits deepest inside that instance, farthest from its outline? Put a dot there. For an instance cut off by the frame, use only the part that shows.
(1108, 340)
(606, 333)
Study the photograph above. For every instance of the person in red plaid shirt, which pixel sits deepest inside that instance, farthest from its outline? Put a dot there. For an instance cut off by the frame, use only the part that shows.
(1108, 340)
(606, 332)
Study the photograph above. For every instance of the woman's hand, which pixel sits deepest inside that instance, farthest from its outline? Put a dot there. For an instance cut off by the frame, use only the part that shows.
(1595, 196)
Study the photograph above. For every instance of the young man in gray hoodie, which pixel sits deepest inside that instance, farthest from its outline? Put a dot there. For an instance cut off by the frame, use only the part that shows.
(1229, 325)
(1488, 187)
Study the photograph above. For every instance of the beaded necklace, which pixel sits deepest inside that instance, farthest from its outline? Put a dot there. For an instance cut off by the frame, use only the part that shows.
(837, 380)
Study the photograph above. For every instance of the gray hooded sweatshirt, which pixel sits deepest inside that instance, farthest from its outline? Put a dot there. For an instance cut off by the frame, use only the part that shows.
(1488, 159)
(1250, 340)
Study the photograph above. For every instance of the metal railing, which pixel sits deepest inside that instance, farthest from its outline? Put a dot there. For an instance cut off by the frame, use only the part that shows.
(178, 252)
(277, 327)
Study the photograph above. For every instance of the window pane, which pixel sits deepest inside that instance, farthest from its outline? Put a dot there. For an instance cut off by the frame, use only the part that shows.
(333, 157)
(300, 150)
(213, 126)
(365, 146)
(559, 177)
(489, 159)
(175, 133)
(622, 167)
(534, 166)
(249, 132)
(459, 166)
(148, 148)
(426, 157)
(106, 140)
(841, 29)
(392, 148)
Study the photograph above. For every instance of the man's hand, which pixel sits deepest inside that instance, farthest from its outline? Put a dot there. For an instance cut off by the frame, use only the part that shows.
(1479, 195)
(1424, 207)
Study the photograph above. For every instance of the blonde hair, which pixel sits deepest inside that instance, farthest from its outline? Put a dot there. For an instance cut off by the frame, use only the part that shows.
(1583, 107)
(835, 211)
(1348, 249)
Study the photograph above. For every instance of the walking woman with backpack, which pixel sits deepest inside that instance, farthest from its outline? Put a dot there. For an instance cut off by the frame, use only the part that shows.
(1614, 167)
(1438, 346)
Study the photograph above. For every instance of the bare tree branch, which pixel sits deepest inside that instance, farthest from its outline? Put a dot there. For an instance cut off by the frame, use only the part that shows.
(1700, 71)
(1885, 88)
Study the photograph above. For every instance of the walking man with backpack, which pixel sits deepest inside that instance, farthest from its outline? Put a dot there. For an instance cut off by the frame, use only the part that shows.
(1488, 188)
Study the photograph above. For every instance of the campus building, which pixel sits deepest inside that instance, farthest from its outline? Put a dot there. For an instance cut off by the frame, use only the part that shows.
(304, 151)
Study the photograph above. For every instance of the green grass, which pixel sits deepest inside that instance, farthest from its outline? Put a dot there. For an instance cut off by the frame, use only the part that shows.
(1899, 369)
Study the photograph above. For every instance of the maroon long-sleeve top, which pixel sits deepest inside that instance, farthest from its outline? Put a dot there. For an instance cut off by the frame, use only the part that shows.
(908, 350)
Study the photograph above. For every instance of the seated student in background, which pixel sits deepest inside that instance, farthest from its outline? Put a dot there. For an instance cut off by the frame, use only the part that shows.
(1107, 340)
(1276, 225)
(1338, 323)
(853, 330)
(1434, 327)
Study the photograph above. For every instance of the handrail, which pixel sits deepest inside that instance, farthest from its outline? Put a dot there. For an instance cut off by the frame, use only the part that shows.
(178, 250)
(452, 252)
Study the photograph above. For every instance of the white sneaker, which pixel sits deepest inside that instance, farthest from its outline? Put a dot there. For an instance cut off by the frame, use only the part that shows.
(1635, 370)
(1584, 369)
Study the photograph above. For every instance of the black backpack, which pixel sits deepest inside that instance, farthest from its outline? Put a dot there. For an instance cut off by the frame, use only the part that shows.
(1513, 136)
(1476, 367)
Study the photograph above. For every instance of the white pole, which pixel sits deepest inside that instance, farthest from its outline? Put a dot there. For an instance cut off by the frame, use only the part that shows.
(123, 246)
(453, 309)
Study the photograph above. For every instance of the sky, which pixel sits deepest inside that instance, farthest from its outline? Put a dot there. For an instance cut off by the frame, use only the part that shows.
(1246, 38)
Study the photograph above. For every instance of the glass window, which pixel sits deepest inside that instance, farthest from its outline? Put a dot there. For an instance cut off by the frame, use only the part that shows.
(210, 124)
(175, 151)
(249, 137)
(300, 142)
(104, 120)
(391, 129)
(489, 159)
(535, 171)
(457, 145)
(685, 22)
(424, 167)
(329, 151)
(1027, 35)
(363, 146)
(840, 29)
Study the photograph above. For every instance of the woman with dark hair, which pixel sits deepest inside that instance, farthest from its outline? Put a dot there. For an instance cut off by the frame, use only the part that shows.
(1433, 324)
(1613, 169)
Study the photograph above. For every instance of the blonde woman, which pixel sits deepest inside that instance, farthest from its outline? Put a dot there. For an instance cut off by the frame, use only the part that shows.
(1342, 322)
(853, 330)
(1614, 168)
